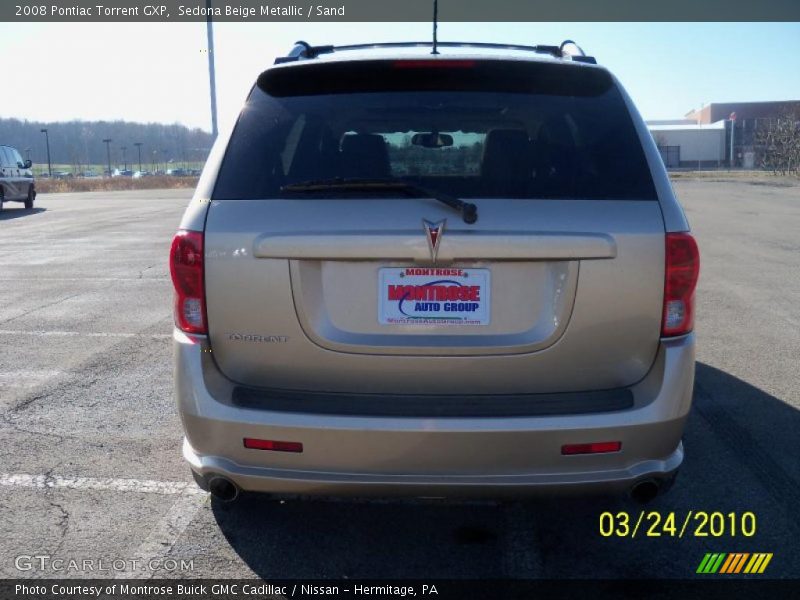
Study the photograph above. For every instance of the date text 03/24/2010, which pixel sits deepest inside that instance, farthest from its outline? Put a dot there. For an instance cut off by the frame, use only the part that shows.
(695, 523)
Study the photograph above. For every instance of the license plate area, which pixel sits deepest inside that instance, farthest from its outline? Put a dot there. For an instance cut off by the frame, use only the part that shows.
(432, 296)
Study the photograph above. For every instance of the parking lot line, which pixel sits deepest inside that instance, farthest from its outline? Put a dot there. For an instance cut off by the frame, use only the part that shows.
(145, 486)
(159, 279)
(159, 336)
(166, 532)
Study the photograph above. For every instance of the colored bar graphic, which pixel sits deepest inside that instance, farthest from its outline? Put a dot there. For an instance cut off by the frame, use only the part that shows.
(703, 563)
(711, 562)
(735, 564)
(731, 563)
(767, 558)
(717, 564)
(734, 559)
(741, 562)
(727, 564)
(754, 563)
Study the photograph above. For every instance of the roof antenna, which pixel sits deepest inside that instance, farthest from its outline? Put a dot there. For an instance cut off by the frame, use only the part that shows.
(435, 25)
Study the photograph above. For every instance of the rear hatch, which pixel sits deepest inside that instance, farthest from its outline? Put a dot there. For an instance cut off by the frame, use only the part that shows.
(332, 266)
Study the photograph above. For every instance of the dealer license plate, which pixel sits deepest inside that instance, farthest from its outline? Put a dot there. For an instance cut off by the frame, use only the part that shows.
(433, 296)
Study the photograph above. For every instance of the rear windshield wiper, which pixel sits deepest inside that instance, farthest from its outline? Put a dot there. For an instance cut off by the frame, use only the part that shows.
(469, 212)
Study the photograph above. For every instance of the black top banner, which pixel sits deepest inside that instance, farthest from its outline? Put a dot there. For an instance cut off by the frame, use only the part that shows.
(397, 10)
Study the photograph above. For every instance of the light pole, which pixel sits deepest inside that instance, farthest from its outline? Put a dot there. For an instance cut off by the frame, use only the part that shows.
(107, 142)
(47, 141)
(139, 148)
(211, 77)
(124, 158)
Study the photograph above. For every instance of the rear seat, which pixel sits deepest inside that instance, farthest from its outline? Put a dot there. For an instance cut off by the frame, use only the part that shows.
(364, 156)
(506, 166)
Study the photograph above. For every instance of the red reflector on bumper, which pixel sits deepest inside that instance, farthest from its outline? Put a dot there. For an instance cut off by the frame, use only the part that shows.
(256, 444)
(593, 448)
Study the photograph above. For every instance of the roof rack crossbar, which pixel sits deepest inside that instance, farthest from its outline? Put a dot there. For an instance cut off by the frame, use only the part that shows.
(567, 49)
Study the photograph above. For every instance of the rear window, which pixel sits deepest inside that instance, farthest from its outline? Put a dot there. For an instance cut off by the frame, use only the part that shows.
(473, 129)
(5, 157)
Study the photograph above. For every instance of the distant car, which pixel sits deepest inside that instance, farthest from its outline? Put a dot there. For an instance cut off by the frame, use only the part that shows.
(122, 173)
(453, 274)
(16, 178)
(140, 174)
(176, 172)
(62, 175)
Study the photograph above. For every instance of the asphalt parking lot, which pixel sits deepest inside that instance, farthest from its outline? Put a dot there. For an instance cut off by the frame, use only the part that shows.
(90, 463)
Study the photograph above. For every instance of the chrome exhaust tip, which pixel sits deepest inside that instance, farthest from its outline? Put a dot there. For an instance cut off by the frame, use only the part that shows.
(644, 491)
(222, 488)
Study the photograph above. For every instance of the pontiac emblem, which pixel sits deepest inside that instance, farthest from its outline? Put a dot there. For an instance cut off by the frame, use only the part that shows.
(433, 232)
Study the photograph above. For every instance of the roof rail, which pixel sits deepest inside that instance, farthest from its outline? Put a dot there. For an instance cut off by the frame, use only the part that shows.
(568, 49)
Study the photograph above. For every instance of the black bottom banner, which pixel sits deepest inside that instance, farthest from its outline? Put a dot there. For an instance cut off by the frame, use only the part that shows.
(227, 589)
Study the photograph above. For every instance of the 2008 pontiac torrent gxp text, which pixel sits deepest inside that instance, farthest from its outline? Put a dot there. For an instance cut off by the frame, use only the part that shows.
(452, 274)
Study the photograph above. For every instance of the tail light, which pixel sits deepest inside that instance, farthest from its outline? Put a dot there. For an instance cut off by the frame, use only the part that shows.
(186, 268)
(680, 279)
(437, 63)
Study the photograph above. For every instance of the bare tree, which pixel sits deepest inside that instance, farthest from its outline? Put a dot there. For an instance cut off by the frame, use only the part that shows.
(778, 144)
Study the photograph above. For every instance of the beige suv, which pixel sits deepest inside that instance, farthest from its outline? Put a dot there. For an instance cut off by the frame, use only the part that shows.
(407, 273)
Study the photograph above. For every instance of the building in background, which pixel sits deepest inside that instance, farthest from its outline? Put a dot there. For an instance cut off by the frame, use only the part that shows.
(744, 111)
(702, 139)
(689, 145)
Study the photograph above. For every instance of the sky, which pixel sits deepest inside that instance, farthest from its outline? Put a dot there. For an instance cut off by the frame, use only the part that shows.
(159, 72)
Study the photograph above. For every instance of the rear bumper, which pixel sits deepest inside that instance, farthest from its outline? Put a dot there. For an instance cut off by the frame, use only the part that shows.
(451, 456)
(310, 483)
